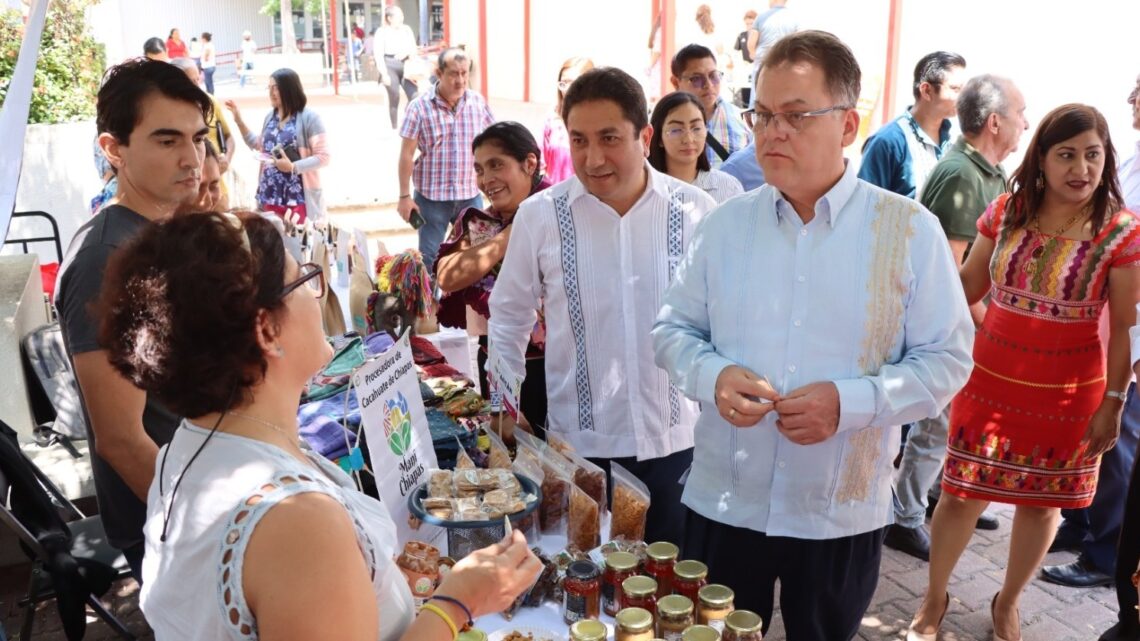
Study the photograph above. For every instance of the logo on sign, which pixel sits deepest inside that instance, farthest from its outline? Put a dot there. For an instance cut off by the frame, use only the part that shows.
(398, 424)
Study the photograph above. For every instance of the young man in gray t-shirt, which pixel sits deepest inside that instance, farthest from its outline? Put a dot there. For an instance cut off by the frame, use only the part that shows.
(152, 123)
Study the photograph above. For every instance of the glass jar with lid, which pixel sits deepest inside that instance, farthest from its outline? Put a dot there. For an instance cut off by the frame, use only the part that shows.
(582, 592)
(639, 592)
(689, 577)
(714, 603)
(661, 557)
(474, 634)
(619, 567)
(742, 625)
(633, 624)
(588, 630)
(674, 614)
(700, 633)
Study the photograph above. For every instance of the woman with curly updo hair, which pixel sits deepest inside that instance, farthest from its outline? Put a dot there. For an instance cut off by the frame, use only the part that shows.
(248, 533)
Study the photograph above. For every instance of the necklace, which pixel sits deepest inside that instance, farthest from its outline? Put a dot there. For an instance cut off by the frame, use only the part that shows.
(271, 426)
(1043, 248)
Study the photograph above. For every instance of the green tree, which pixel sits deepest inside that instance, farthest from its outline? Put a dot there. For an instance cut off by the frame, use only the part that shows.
(69, 68)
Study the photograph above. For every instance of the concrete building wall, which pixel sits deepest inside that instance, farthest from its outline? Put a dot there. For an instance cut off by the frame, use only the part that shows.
(123, 25)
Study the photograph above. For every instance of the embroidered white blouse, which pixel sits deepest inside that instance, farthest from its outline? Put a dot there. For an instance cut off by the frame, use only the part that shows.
(865, 295)
(601, 278)
(192, 582)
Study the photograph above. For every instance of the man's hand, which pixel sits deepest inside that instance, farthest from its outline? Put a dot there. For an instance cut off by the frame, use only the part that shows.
(405, 207)
(742, 397)
(385, 80)
(809, 414)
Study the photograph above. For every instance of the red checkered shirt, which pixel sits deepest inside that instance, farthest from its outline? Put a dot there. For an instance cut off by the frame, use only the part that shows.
(444, 169)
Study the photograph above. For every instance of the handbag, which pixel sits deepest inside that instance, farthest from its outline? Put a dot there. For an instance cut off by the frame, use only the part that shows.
(331, 313)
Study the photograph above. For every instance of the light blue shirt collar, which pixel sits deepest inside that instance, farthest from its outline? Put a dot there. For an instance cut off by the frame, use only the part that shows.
(830, 204)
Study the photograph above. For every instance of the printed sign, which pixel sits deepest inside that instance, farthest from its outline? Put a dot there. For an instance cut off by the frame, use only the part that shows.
(505, 385)
(399, 441)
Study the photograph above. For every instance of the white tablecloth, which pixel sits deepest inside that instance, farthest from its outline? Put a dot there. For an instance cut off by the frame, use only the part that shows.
(548, 616)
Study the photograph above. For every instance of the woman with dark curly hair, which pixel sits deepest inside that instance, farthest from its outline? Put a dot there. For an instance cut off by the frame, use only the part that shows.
(247, 533)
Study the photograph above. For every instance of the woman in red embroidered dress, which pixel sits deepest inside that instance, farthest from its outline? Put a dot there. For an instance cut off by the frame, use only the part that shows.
(1041, 405)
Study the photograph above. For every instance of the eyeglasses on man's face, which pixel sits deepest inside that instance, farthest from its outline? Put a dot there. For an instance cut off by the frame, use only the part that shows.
(700, 81)
(312, 276)
(793, 121)
(678, 133)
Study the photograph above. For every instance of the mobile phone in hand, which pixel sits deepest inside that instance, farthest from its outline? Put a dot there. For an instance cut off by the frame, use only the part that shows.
(415, 219)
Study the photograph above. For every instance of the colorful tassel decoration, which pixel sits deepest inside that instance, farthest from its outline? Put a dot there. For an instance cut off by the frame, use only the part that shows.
(410, 281)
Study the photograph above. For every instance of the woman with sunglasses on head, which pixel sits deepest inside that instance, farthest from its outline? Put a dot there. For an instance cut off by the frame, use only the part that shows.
(677, 147)
(555, 141)
(293, 142)
(248, 533)
(507, 171)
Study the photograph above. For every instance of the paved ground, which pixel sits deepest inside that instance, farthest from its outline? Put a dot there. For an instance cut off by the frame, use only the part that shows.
(1049, 612)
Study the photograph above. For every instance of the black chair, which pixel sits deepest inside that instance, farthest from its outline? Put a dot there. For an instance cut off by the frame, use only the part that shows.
(72, 561)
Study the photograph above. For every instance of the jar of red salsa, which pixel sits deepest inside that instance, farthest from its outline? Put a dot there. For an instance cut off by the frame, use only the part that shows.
(639, 592)
(619, 567)
(689, 577)
(661, 557)
(582, 590)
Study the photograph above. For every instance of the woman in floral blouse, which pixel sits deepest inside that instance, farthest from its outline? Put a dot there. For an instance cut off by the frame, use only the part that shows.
(507, 170)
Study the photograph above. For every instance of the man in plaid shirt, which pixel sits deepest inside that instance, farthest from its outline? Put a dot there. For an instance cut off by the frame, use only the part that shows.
(442, 122)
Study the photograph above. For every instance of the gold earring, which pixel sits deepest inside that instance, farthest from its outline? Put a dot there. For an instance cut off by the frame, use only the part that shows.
(1040, 181)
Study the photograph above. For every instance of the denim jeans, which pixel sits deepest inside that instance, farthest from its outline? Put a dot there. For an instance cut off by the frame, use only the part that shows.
(438, 214)
(246, 66)
(208, 72)
(923, 457)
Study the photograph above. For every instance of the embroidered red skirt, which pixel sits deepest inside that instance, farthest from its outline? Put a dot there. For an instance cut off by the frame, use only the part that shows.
(1016, 428)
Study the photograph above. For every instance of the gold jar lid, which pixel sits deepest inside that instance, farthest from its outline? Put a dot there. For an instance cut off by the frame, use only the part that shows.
(588, 630)
(690, 570)
(621, 561)
(662, 551)
(743, 622)
(474, 634)
(639, 586)
(700, 633)
(716, 595)
(674, 605)
(634, 620)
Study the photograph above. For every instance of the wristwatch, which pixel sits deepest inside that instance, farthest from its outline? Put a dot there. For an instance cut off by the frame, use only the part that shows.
(1120, 396)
